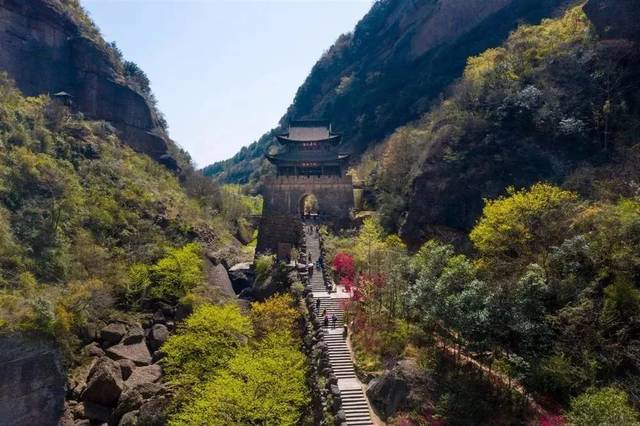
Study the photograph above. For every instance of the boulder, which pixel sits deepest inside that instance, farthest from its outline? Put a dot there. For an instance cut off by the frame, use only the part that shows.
(159, 318)
(96, 412)
(136, 352)
(391, 391)
(135, 334)
(157, 336)
(130, 400)
(240, 280)
(218, 279)
(126, 367)
(140, 375)
(150, 389)
(113, 333)
(153, 412)
(129, 419)
(104, 383)
(93, 349)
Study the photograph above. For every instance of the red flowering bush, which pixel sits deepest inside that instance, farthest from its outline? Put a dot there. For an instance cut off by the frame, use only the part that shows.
(344, 266)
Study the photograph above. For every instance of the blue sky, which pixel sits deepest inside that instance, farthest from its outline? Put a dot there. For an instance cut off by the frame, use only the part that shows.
(224, 71)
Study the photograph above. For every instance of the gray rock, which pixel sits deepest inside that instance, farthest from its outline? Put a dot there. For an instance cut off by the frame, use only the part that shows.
(140, 375)
(135, 334)
(113, 333)
(157, 336)
(390, 392)
(130, 400)
(93, 349)
(126, 367)
(97, 412)
(104, 383)
(136, 352)
(153, 412)
(159, 318)
(83, 422)
(150, 389)
(129, 419)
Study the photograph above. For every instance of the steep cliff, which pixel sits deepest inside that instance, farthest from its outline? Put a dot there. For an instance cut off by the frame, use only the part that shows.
(33, 377)
(398, 60)
(48, 46)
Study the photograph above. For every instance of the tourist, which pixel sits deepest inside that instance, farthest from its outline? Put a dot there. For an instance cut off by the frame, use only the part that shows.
(324, 312)
(317, 305)
(334, 319)
(326, 321)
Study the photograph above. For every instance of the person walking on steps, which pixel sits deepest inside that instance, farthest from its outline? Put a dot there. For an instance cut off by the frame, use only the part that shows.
(334, 319)
(318, 305)
(324, 313)
(326, 321)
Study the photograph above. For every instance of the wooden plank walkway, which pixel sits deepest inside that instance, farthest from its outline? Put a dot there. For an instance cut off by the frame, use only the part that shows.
(352, 395)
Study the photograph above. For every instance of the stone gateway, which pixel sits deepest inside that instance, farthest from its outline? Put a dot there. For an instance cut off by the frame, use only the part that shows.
(311, 166)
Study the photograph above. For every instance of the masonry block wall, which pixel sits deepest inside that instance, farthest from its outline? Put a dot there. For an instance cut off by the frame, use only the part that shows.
(283, 197)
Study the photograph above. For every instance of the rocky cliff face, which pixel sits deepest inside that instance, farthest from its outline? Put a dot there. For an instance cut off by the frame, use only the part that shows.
(32, 387)
(43, 48)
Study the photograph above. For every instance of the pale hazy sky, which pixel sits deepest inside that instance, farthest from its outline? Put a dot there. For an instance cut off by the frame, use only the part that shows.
(224, 71)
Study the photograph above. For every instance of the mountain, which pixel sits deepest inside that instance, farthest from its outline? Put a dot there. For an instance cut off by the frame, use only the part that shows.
(556, 102)
(390, 70)
(50, 46)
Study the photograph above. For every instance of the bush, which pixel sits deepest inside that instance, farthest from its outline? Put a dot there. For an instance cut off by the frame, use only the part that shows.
(603, 407)
(264, 266)
(262, 385)
(275, 314)
(210, 337)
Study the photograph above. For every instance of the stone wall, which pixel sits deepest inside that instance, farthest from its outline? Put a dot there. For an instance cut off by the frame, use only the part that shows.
(283, 195)
(278, 228)
(282, 206)
(32, 381)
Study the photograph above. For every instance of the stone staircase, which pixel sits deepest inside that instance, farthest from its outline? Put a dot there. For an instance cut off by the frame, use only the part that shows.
(352, 397)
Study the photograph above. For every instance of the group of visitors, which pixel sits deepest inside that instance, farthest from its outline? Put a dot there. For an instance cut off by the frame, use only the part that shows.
(325, 316)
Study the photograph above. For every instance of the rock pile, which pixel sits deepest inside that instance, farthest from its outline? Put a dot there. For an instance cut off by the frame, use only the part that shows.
(119, 382)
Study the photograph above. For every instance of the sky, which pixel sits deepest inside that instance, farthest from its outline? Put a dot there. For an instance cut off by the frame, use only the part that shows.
(224, 71)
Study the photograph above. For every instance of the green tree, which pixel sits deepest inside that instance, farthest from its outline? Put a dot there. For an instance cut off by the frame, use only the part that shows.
(603, 407)
(522, 227)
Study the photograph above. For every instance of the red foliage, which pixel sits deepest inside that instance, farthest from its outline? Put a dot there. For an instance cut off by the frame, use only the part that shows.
(347, 283)
(344, 265)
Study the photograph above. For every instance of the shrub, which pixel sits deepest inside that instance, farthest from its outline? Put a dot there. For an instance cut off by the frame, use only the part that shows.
(264, 266)
(603, 407)
(210, 337)
(262, 385)
(275, 314)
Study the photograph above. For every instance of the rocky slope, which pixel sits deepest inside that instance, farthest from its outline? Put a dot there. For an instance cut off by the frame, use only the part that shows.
(47, 46)
(398, 60)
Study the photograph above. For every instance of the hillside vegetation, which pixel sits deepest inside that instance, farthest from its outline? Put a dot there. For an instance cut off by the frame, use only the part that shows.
(553, 103)
(88, 226)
